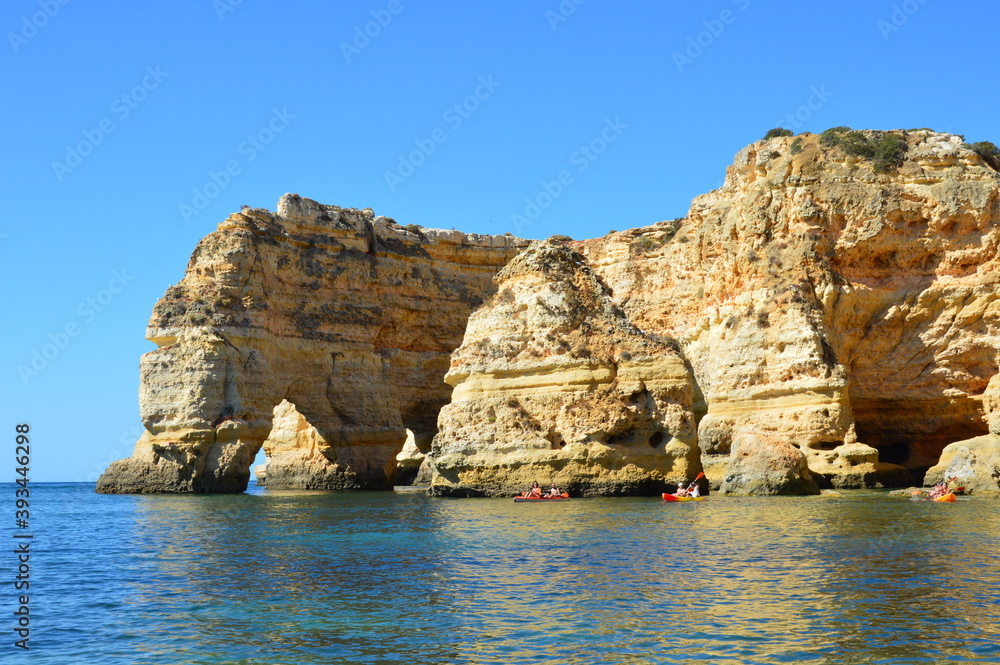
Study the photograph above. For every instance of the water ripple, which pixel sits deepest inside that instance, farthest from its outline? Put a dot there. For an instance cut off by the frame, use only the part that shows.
(301, 577)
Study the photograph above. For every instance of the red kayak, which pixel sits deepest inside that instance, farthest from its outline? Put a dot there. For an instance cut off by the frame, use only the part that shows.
(671, 497)
(541, 499)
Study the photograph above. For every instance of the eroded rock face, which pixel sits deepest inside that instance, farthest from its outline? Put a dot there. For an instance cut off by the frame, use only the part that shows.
(826, 305)
(974, 463)
(348, 317)
(836, 327)
(765, 466)
(553, 383)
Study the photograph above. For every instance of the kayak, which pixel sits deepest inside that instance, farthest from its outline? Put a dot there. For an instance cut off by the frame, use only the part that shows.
(670, 498)
(947, 498)
(541, 499)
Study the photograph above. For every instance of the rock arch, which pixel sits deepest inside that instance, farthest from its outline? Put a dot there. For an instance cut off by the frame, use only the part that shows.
(349, 317)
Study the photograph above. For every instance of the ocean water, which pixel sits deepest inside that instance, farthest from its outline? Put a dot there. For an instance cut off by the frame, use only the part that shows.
(308, 577)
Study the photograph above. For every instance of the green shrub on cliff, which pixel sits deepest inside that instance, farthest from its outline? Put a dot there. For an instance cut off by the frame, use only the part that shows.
(778, 131)
(985, 149)
(834, 135)
(885, 150)
(643, 244)
(988, 151)
(889, 151)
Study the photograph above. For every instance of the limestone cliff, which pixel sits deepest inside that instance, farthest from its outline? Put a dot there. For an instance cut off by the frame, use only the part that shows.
(553, 383)
(974, 463)
(850, 312)
(344, 319)
(827, 317)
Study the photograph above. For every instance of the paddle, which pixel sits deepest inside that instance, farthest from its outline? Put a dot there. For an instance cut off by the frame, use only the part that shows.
(696, 479)
(700, 475)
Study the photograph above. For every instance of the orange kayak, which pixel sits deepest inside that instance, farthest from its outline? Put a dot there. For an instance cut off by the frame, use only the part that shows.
(947, 498)
(670, 498)
(541, 499)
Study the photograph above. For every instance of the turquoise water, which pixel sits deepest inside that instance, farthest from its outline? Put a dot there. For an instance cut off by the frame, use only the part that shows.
(301, 577)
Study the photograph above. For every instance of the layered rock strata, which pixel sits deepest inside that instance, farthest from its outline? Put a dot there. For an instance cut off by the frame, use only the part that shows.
(850, 313)
(343, 318)
(974, 463)
(553, 383)
(835, 325)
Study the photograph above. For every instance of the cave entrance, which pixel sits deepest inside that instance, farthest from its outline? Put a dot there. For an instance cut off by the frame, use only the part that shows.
(410, 459)
(914, 450)
(408, 462)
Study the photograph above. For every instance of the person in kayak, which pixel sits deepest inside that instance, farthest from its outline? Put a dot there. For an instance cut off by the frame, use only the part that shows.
(940, 489)
(534, 493)
(554, 491)
(694, 490)
(680, 490)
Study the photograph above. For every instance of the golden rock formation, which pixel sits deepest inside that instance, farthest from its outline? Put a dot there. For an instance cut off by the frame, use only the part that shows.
(349, 317)
(828, 317)
(553, 383)
(974, 463)
(849, 312)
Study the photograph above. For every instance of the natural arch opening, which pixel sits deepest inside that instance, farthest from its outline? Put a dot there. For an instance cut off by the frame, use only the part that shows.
(259, 468)
(408, 462)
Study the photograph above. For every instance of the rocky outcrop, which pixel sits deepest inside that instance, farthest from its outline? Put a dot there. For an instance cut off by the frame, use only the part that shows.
(553, 383)
(341, 319)
(759, 466)
(848, 312)
(410, 462)
(299, 457)
(974, 463)
(823, 319)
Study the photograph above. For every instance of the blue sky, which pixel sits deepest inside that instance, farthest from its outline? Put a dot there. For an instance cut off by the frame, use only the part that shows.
(131, 130)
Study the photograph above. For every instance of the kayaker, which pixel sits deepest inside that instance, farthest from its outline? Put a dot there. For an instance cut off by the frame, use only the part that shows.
(554, 491)
(535, 491)
(680, 490)
(694, 490)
